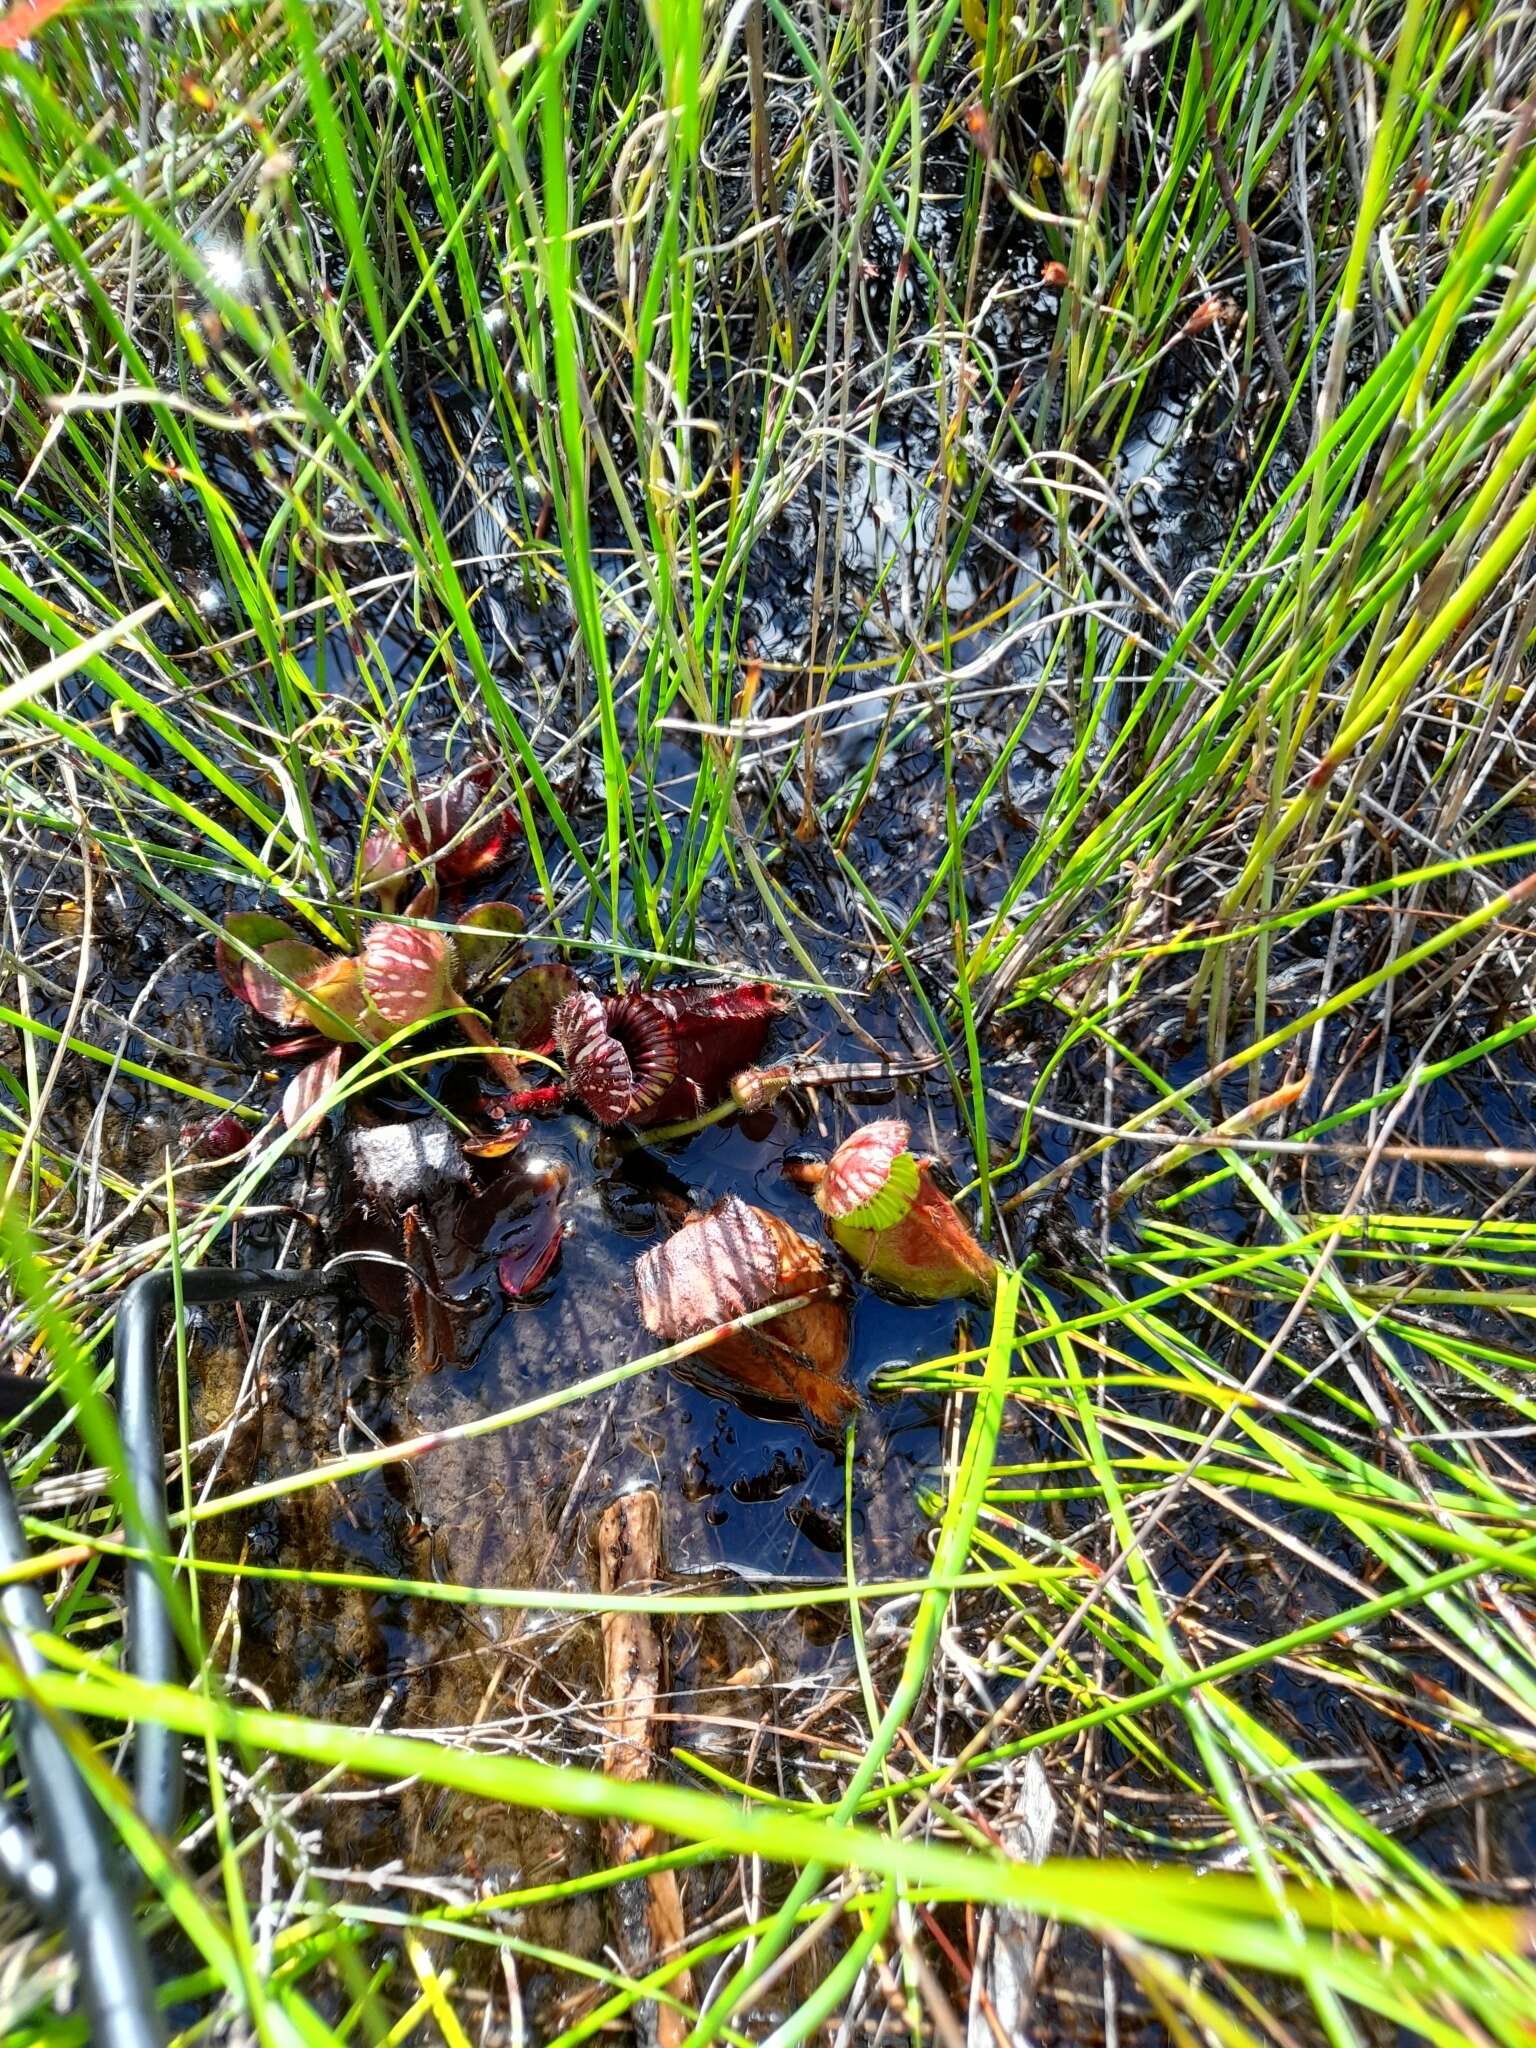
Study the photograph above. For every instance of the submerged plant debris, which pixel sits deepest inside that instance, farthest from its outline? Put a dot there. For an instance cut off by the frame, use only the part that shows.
(807, 727)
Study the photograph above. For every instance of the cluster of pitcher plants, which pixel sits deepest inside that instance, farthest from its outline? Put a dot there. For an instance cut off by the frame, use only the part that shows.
(645, 1059)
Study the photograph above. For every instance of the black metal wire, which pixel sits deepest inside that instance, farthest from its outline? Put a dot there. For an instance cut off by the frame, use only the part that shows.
(72, 1870)
(149, 1634)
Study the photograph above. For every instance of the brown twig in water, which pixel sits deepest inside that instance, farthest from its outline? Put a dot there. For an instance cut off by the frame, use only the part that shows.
(648, 1912)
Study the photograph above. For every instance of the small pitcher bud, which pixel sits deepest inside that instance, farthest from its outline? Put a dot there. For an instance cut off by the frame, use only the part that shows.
(757, 1088)
(388, 869)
